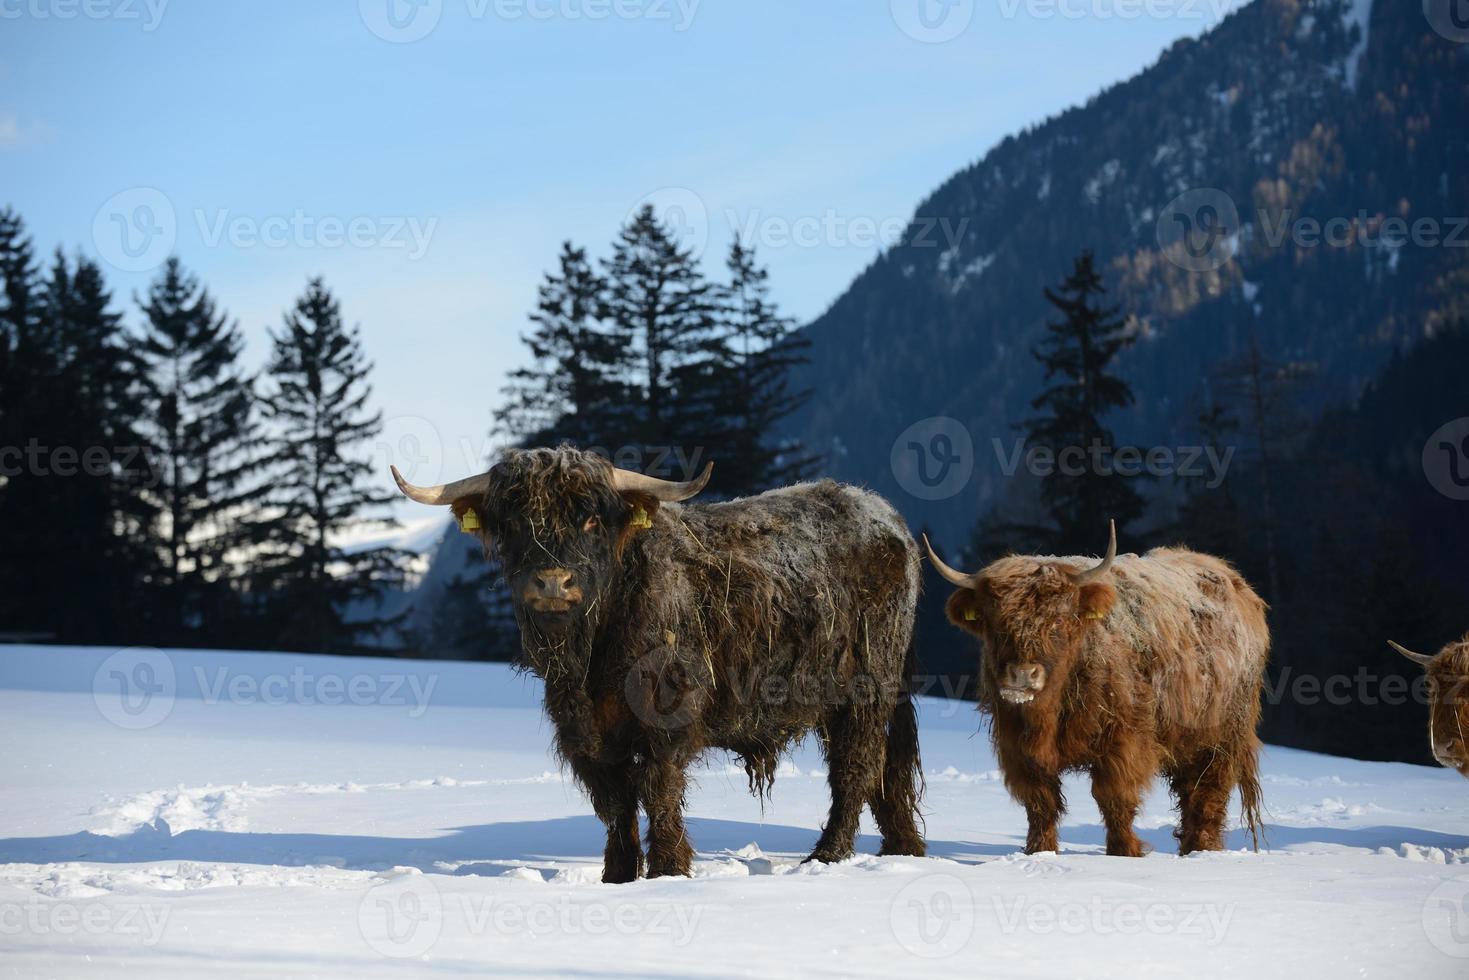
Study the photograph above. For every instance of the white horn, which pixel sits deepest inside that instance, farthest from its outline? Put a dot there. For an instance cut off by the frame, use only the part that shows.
(954, 577)
(626, 481)
(445, 493)
(1092, 574)
(1422, 660)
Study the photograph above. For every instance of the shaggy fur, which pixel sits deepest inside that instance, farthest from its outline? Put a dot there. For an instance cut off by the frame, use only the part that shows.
(741, 625)
(1157, 667)
(1448, 706)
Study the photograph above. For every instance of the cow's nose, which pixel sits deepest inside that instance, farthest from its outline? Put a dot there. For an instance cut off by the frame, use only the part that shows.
(1027, 676)
(553, 581)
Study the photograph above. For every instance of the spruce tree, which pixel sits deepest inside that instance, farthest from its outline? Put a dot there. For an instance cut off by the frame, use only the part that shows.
(20, 372)
(572, 392)
(759, 350)
(321, 595)
(661, 312)
(202, 433)
(1077, 353)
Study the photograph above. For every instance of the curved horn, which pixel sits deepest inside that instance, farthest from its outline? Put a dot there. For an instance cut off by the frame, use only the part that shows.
(1092, 574)
(445, 493)
(955, 578)
(625, 481)
(1422, 660)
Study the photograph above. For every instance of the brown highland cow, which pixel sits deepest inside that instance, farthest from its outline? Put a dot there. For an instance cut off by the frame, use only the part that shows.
(1127, 668)
(1448, 702)
(663, 630)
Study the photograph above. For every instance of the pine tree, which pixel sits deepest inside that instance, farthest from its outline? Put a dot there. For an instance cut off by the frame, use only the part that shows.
(573, 391)
(661, 313)
(1076, 354)
(78, 508)
(321, 595)
(202, 432)
(758, 351)
(20, 371)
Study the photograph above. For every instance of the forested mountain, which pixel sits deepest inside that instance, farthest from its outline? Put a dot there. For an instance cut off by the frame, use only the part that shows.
(1290, 114)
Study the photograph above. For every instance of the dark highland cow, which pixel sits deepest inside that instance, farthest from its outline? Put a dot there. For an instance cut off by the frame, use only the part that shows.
(1135, 666)
(1448, 702)
(662, 630)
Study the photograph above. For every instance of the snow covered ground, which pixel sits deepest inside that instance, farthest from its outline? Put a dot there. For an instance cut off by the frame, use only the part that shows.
(173, 814)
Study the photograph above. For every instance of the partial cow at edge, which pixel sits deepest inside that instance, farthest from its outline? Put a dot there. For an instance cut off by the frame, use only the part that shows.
(1448, 702)
(1124, 669)
(664, 629)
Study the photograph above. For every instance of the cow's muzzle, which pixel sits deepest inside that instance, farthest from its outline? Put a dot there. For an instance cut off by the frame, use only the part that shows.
(1020, 683)
(553, 591)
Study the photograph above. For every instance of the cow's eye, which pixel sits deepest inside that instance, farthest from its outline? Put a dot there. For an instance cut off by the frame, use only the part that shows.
(591, 524)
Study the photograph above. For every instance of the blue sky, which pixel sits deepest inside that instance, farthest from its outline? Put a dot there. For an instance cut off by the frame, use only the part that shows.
(431, 178)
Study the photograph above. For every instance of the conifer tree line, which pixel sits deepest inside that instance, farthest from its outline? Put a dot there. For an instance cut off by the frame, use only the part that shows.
(152, 490)
(643, 358)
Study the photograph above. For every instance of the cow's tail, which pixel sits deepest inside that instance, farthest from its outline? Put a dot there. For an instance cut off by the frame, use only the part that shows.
(1249, 791)
(896, 806)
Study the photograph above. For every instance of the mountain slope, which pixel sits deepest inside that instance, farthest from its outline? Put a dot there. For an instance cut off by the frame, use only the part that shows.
(1289, 110)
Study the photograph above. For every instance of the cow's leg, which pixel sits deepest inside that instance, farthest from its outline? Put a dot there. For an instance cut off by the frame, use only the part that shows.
(1118, 782)
(1202, 787)
(854, 756)
(669, 850)
(895, 802)
(1039, 791)
(615, 800)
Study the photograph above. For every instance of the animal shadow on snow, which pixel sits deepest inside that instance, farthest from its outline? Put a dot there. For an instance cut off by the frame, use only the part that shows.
(488, 849)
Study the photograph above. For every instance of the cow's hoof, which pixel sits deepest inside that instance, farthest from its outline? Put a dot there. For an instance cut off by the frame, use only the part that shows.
(827, 855)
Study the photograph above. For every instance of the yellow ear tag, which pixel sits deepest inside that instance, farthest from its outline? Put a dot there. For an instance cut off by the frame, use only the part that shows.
(1096, 615)
(970, 615)
(640, 517)
(469, 522)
